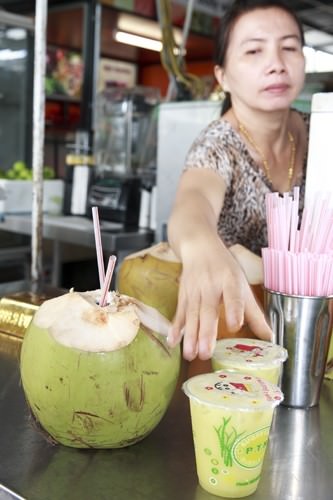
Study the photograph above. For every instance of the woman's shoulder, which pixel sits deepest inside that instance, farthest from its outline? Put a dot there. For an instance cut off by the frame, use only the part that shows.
(219, 148)
(219, 135)
(217, 127)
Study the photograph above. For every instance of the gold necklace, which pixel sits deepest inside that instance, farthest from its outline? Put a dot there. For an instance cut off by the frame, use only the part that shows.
(291, 166)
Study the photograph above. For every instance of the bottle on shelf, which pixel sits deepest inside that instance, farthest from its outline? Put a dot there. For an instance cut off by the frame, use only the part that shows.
(78, 175)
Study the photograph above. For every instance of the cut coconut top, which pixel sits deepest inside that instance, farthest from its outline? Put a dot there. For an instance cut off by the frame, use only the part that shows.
(76, 320)
(161, 251)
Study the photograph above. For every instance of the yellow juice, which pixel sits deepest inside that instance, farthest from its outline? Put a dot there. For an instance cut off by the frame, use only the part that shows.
(255, 357)
(231, 416)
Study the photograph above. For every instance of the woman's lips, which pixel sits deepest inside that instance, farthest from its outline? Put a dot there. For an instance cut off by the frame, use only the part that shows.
(277, 88)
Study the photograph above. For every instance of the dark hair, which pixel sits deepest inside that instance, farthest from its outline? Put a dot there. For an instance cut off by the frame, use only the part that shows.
(231, 15)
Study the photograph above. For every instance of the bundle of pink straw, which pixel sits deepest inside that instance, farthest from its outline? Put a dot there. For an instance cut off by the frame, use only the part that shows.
(104, 279)
(299, 256)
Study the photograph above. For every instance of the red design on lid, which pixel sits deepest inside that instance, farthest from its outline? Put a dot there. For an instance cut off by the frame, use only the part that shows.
(239, 385)
(244, 347)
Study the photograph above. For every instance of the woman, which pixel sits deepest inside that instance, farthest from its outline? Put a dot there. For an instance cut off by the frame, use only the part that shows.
(258, 145)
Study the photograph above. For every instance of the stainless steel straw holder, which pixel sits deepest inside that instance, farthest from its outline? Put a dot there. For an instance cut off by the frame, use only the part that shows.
(302, 325)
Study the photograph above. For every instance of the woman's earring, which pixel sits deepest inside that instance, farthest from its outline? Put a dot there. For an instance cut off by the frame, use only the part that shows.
(217, 94)
(221, 92)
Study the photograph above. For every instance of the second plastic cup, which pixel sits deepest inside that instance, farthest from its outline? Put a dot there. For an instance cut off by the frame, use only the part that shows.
(256, 357)
(231, 417)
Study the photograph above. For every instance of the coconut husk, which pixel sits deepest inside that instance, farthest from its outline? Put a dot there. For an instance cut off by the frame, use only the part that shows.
(152, 276)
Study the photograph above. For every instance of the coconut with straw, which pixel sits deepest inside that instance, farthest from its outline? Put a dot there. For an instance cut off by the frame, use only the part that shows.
(96, 368)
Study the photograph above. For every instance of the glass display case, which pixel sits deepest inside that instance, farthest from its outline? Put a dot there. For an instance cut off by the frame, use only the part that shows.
(16, 76)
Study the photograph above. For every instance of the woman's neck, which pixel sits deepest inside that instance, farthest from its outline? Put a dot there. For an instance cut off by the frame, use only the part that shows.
(270, 139)
(268, 129)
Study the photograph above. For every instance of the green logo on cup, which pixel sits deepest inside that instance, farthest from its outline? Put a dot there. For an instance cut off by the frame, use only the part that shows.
(249, 451)
(227, 436)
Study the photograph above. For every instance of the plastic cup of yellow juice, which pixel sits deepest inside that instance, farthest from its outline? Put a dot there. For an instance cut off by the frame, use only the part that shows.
(231, 416)
(256, 357)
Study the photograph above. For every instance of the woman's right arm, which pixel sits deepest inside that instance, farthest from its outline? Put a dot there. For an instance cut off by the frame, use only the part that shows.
(210, 271)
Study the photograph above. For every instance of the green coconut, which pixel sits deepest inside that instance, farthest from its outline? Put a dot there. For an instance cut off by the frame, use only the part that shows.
(98, 377)
(152, 276)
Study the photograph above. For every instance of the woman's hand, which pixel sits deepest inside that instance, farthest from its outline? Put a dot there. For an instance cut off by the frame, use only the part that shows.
(211, 274)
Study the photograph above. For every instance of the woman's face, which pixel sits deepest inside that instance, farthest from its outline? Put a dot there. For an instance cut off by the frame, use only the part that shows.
(264, 66)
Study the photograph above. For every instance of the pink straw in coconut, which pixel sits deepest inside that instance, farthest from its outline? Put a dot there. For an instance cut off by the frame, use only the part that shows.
(98, 244)
(107, 281)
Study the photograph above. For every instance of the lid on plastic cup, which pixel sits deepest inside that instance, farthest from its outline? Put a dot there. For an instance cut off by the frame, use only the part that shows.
(246, 352)
(233, 391)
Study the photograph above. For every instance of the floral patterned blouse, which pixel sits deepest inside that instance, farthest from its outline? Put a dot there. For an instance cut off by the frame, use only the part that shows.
(242, 219)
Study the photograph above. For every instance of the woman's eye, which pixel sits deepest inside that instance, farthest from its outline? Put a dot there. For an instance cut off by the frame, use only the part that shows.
(289, 49)
(252, 51)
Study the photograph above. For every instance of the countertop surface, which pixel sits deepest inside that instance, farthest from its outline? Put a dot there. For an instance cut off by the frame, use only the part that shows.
(298, 463)
(78, 231)
(74, 229)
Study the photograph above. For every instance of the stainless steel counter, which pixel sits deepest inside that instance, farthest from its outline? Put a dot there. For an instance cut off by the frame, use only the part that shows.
(72, 229)
(79, 231)
(298, 463)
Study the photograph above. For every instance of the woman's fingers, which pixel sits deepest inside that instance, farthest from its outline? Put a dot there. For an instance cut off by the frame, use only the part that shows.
(177, 327)
(234, 307)
(198, 322)
(255, 318)
(209, 316)
(240, 305)
(234, 292)
(197, 315)
(191, 326)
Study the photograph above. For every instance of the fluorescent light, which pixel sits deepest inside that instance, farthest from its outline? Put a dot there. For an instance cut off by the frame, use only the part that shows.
(144, 27)
(16, 33)
(138, 41)
(314, 38)
(11, 55)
